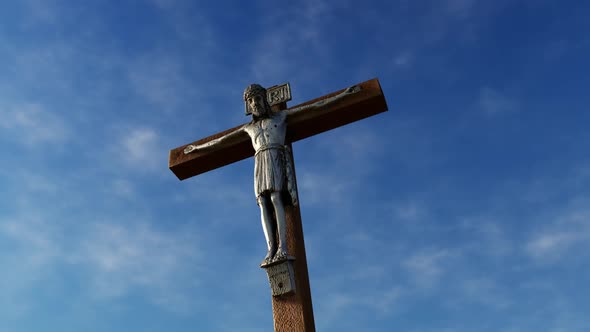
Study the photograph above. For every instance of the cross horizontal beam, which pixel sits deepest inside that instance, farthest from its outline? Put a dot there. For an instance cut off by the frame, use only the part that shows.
(367, 102)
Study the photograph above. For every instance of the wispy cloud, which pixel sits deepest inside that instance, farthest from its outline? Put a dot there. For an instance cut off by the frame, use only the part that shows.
(38, 248)
(460, 8)
(31, 123)
(322, 187)
(487, 237)
(140, 148)
(158, 78)
(403, 59)
(123, 258)
(292, 35)
(29, 261)
(46, 233)
(550, 245)
(221, 191)
(333, 307)
(336, 164)
(409, 211)
(493, 102)
(41, 11)
(164, 4)
(123, 187)
(351, 145)
(428, 266)
(388, 301)
(485, 291)
(568, 231)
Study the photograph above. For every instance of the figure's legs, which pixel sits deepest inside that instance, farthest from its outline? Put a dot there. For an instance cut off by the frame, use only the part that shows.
(267, 227)
(279, 208)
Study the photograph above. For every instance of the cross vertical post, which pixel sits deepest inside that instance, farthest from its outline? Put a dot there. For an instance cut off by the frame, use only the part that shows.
(294, 312)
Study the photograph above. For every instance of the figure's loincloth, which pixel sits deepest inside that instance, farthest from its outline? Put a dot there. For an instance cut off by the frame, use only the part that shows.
(269, 169)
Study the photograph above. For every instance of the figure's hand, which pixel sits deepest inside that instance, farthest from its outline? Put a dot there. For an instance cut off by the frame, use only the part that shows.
(189, 149)
(352, 89)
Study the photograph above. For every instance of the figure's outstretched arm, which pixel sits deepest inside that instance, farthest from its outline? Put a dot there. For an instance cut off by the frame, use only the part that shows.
(351, 90)
(219, 142)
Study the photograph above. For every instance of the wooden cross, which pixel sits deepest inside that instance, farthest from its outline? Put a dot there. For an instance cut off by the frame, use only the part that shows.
(291, 312)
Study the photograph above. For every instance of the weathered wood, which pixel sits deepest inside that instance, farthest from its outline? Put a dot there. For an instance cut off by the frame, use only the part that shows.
(369, 101)
(294, 312)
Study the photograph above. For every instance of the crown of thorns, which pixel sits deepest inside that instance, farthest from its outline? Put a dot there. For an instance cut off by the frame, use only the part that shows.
(254, 89)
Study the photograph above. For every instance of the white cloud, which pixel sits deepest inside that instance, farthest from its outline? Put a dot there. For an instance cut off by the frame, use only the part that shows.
(36, 183)
(550, 244)
(158, 79)
(487, 237)
(485, 291)
(427, 267)
(332, 307)
(221, 190)
(47, 67)
(40, 11)
(567, 232)
(117, 258)
(32, 124)
(140, 148)
(291, 35)
(164, 4)
(403, 59)
(385, 301)
(122, 259)
(352, 145)
(493, 102)
(322, 187)
(410, 211)
(38, 248)
(460, 8)
(29, 255)
(337, 164)
(123, 188)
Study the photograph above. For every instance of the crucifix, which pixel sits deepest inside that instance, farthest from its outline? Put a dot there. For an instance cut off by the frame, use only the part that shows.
(268, 137)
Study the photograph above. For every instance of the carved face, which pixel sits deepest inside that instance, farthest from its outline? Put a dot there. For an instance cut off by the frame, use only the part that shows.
(257, 104)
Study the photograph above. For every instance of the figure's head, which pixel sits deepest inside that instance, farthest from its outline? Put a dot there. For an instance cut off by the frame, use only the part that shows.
(256, 103)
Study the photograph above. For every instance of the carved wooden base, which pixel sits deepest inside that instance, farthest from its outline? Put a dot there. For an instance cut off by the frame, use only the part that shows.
(281, 276)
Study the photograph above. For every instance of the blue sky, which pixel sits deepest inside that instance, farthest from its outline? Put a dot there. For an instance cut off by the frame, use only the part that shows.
(464, 208)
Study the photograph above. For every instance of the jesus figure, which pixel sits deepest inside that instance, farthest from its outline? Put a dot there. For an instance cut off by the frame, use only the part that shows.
(272, 163)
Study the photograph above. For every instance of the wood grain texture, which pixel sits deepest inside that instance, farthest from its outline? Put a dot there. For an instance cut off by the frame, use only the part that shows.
(369, 101)
(294, 313)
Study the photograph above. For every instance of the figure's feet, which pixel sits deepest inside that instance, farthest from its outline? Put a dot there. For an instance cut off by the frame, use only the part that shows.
(269, 257)
(280, 255)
